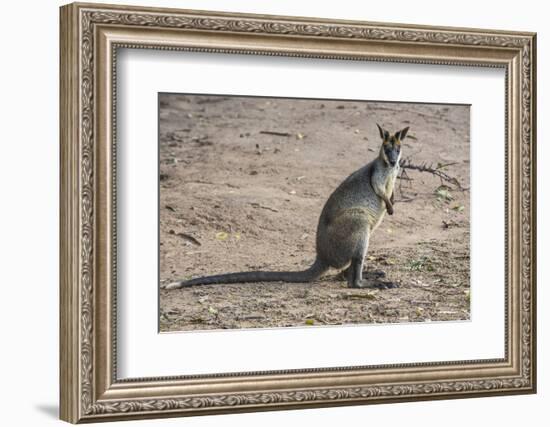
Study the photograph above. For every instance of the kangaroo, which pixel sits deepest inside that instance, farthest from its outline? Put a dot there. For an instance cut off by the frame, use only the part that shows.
(350, 216)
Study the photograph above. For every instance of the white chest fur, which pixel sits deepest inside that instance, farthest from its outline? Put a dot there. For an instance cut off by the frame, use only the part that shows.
(392, 177)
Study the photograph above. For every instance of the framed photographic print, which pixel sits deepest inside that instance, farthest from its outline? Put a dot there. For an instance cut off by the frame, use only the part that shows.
(266, 212)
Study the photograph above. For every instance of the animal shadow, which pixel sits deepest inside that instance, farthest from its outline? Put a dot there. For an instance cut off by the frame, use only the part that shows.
(373, 279)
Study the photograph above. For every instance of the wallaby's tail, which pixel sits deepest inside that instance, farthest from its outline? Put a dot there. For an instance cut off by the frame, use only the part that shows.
(312, 273)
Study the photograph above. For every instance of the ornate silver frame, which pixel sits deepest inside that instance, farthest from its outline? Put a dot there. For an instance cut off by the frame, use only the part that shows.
(90, 36)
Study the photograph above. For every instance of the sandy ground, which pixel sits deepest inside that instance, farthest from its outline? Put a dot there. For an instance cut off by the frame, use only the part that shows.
(233, 198)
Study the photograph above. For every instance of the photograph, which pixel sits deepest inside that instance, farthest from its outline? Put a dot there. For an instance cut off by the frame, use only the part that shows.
(290, 212)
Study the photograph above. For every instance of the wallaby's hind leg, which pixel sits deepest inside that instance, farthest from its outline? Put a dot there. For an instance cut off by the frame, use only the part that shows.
(355, 279)
(344, 242)
(355, 270)
(354, 273)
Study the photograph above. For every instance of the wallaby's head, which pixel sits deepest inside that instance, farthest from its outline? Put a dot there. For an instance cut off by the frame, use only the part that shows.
(390, 151)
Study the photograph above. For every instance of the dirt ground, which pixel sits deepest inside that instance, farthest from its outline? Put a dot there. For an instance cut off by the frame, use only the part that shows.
(242, 184)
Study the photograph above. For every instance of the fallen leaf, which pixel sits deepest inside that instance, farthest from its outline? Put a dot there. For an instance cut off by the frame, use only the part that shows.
(222, 235)
(310, 322)
(443, 193)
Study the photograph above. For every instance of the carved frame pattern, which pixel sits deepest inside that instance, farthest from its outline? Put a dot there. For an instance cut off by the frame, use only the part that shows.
(80, 400)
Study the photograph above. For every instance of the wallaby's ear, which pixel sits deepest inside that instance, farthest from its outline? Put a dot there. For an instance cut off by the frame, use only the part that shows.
(381, 131)
(384, 134)
(402, 134)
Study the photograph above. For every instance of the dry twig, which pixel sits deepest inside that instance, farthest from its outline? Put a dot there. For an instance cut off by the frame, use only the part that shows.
(407, 164)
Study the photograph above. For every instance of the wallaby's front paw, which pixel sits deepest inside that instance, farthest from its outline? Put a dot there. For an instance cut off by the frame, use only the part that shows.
(390, 210)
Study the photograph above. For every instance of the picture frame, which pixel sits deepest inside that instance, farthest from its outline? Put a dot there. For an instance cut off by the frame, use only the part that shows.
(91, 36)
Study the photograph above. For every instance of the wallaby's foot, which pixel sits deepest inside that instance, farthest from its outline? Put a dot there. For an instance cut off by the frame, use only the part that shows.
(389, 208)
(374, 285)
(360, 284)
(374, 274)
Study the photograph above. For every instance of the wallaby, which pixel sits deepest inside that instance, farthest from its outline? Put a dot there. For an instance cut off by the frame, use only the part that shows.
(350, 216)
